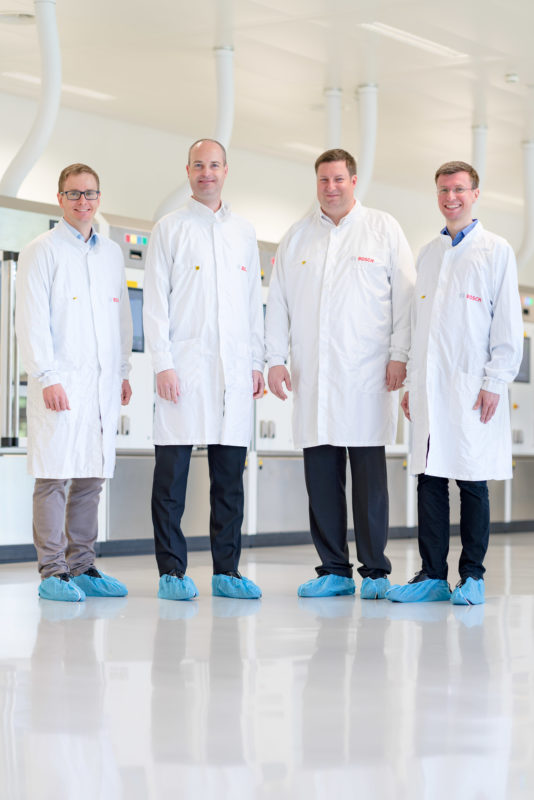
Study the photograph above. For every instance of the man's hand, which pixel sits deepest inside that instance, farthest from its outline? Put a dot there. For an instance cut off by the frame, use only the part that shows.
(126, 392)
(405, 405)
(278, 376)
(55, 398)
(167, 385)
(258, 384)
(395, 375)
(487, 402)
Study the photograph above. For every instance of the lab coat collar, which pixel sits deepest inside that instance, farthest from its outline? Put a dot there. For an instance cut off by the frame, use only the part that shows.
(68, 234)
(355, 213)
(203, 211)
(471, 238)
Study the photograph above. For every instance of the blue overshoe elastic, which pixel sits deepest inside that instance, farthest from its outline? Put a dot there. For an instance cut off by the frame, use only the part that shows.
(429, 590)
(327, 586)
(61, 588)
(173, 588)
(374, 588)
(240, 588)
(469, 592)
(97, 584)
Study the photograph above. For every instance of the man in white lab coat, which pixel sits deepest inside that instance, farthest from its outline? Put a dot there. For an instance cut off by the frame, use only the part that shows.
(203, 319)
(74, 330)
(339, 302)
(467, 345)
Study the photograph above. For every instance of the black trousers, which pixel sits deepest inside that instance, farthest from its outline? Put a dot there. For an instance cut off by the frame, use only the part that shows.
(434, 529)
(226, 465)
(325, 470)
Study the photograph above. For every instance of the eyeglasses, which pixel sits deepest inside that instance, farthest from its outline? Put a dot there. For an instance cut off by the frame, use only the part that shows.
(457, 190)
(89, 194)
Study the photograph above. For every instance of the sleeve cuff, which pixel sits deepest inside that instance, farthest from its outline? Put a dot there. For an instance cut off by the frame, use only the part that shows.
(276, 361)
(495, 385)
(49, 379)
(162, 362)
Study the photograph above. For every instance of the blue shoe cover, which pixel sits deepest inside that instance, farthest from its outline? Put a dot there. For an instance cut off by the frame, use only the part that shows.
(240, 588)
(374, 588)
(470, 593)
(53, 588)
(173, 588)
(430, 590)
(104, 586)
(327, 586)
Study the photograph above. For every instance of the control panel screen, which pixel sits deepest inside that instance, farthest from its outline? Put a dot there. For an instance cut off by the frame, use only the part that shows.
(523, 376)
(136, 305)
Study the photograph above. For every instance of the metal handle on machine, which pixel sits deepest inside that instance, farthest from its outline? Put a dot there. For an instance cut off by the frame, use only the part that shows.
(9, 374)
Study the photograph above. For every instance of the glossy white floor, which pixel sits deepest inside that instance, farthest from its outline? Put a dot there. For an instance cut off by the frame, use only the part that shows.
(137, 698)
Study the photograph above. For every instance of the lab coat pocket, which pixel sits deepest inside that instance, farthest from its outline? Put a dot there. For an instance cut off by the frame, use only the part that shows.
(187, 359)
(239, 371)
(370, 360)
(473, 437)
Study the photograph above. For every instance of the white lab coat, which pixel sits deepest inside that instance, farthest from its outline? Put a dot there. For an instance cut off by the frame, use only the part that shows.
(339, 299)
(203, 317)
(467, 335)
(74, 327)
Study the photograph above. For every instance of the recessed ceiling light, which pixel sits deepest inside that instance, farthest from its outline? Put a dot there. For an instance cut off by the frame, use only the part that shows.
(411, 39)
(65, 87)
(16, 18)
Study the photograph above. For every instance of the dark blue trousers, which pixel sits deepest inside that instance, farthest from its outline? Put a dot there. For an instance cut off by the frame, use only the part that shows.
(325, 470)
(226, 465)
(434, 528)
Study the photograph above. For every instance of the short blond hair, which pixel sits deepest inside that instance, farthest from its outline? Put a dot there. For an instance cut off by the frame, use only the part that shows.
(76, 169)
(452, 167)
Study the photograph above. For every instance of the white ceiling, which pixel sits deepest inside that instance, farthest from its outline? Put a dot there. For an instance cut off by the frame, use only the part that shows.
(156, 60)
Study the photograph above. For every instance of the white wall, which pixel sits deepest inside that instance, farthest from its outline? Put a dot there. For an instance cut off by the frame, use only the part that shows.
(140, 166)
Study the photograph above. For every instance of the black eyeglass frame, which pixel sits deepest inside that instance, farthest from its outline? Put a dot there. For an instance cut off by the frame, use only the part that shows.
(77, 194)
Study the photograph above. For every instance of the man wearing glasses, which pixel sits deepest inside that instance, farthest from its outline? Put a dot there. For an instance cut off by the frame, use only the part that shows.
(74, 330)
(467, 344)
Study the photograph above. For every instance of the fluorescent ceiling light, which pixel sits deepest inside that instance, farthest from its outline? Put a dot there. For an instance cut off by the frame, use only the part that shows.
(65, 87)
(414, 41)
(16, 18)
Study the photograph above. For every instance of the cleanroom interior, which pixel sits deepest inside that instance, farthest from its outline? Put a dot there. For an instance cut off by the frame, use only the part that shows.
(282, 697)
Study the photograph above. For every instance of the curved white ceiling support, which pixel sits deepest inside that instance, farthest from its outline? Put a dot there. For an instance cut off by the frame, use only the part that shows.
(368, 100)
(333, 118)
(526, 251)
(224, 62)
(33, 147)
(479, 151)
(224, 59)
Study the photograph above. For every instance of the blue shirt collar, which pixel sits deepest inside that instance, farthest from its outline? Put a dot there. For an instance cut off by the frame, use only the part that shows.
(92, 238)
(461, 234)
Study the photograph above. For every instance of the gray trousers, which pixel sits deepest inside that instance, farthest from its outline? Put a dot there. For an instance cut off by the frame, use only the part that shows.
(65, 531)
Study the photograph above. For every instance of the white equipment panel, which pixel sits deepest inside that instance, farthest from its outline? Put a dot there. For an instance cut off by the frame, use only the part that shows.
(135, 422)
(522, 393)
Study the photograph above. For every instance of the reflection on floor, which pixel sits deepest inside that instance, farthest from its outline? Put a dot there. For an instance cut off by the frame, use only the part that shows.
(283, 697)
